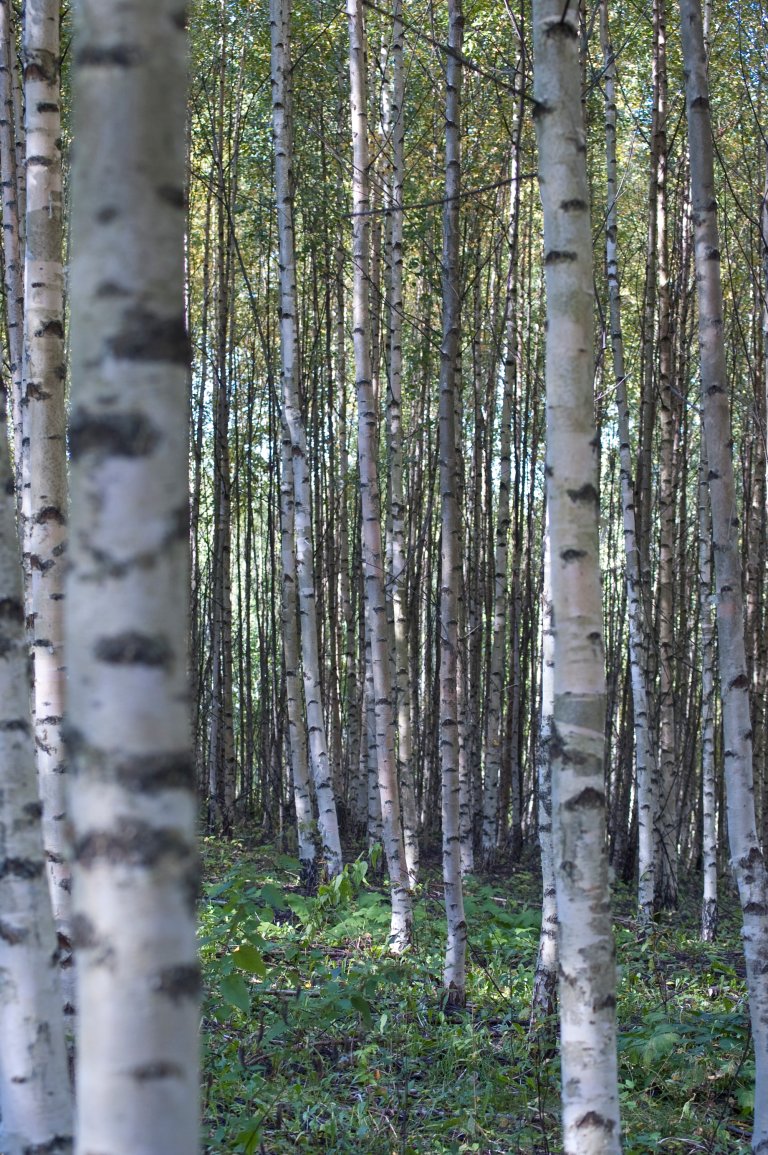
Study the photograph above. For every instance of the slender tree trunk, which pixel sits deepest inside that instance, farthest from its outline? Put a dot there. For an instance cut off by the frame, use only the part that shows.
(35, 1095)
(373, 553)
(45, 506)
(492, 743)
(669, 756)
(296, 463)
(134, 813)
(454, 974)
(545, 977)
(297, 732)
(12, 231)
(645, 758)
(399, 577)
(708, 770)
(746, 855)
(587, 966)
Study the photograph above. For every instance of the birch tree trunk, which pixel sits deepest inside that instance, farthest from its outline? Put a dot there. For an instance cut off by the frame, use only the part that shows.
(396, 125)
(135, 811)
(12, 231)
(372, 551)
(492, 738)
(645, 757)
(454, 973)
(297, 731)
(587, 968)
(669, 759)
(296, 462)
(746, 855)
(45, 469)
(708, 770)
(35, 1095)
(545, 977)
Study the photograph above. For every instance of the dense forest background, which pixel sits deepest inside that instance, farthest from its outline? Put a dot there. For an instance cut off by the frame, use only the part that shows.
(467, 561)
(241, 723)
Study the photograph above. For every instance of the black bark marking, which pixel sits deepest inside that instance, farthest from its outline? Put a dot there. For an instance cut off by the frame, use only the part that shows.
(756, 908)
(173, 195)
(595, 1119)
(147, 337)
(180, 982)
(11, 934)
(587, 493)
(51, 329)
(179, 19)
(569, 555)
(751, 861)
(108, 56)
(574, 205)
(149, 1072)
(42, 566)
(111, 435)
(84, 936)
(107, 214)
(559, 257)
(699, 102)
(26, 868)
(108, 290)
(58, 1145)
(740, 682)
(605, 1004)
(50, 513)
(151, 773)
(134, 844)
(587, 799)
(134, 649)
(15, 726)
(11, 610)
(47, 106)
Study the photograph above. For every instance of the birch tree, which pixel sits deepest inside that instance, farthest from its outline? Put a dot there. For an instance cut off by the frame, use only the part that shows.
(645, 756)
(397, 550)
(587, 988)
(372, 550)
(296, 461)
(35, 1094)
(134, 812)
(454, 976)
(12, 228)
(746, 854)
(44, 472)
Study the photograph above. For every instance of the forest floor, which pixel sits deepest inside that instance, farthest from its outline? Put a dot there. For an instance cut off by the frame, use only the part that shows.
(316, 1040)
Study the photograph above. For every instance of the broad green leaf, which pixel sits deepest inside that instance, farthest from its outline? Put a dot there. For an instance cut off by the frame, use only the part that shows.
(234, 990)
(248, 958)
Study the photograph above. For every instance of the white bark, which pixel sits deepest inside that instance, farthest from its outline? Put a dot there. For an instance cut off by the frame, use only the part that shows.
(398, 551)
(587, 990)
(708, 768)
(12, 231)
(545, 977)
(297, 731)
(134, 813)
(372, 551)
(44, 471)
(35, 1094)
(645, 757)
(746, 855)
(454, 970)
(282, 128)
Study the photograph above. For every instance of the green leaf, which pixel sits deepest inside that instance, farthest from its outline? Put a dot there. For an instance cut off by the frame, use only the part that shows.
(363, 1007)
(248, 958)
(234, 990)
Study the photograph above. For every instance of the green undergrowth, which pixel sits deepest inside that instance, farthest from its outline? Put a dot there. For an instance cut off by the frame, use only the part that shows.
(315, 1039)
